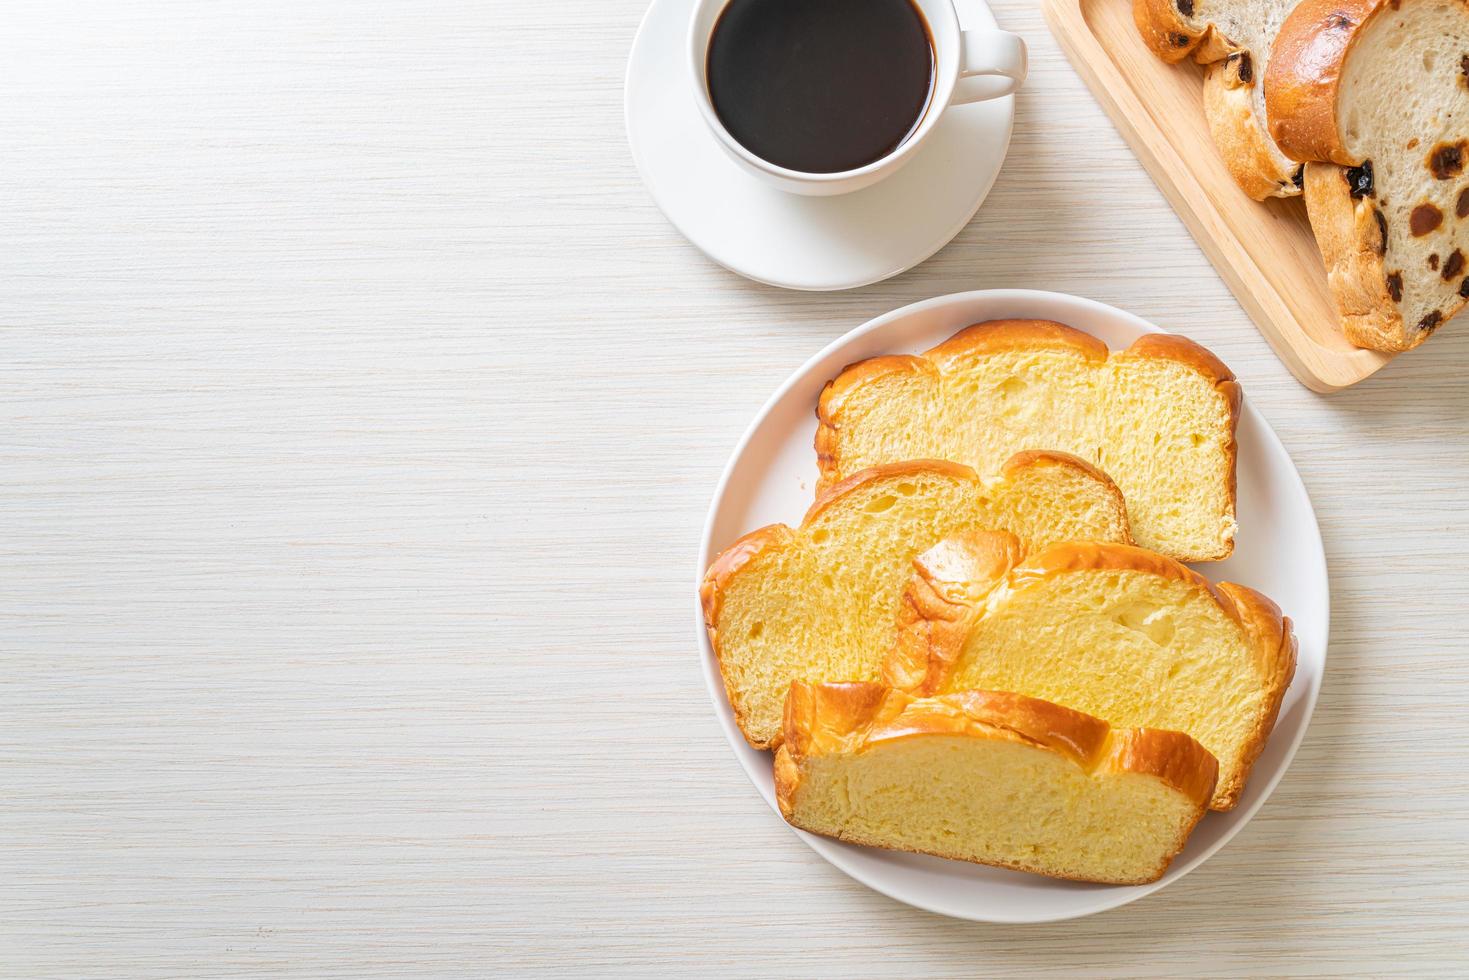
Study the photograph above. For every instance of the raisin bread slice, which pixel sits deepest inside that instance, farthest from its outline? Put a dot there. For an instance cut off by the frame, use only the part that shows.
(1231, 39)
(1376, 94)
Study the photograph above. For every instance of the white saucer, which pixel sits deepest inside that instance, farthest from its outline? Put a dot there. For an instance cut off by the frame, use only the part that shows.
(786, 239)
(1278, 551)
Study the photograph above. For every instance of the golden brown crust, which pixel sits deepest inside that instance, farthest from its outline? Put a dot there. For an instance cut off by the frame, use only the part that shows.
(996, 335)
(1246, 148)
(939, 604)
(725, 566)
(965, 567)
(1229, 103)
(728, 564)
(826, 496)
(1176, 347)
(787, 781)
(816, 713)
(987, 337)
(860, 372)
(1027, 458)
(732, 559)
(849, 718)
(833, 396)
(1350, 239)
(1087, 556)
(1179, 762)
(1164, 30)
(1275, 646)
(1355, 272)
(952, 580)
(1305, 72)
(1013, 467)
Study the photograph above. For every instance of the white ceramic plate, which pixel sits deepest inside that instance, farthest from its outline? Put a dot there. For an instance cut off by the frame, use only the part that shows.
(1278, 551)
(786, 239)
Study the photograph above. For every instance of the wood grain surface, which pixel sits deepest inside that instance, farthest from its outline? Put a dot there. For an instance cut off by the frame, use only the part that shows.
(359, 417)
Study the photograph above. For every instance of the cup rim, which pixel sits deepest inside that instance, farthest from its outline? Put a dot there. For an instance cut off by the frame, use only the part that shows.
(943, 92)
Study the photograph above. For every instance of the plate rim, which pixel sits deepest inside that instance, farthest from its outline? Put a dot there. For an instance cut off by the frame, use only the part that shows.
(1110, 898)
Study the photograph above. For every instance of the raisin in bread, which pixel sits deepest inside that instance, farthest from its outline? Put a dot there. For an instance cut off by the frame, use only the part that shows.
(1159, 418)
(1231, 39)
(1376, 94)
(819, 601)
(990, 777)
(1112, 630)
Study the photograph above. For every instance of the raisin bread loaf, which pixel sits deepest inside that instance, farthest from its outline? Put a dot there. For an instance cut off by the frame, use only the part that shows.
(1231, 39)
(1376, 94)
(990, 777)
(1159, 418)
(1108, 629)
(819, 601)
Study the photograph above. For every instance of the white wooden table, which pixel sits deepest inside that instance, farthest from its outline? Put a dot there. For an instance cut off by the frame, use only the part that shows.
(359, 414)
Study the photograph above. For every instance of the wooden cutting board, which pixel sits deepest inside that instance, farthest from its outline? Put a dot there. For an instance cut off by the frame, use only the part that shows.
(1264, 251)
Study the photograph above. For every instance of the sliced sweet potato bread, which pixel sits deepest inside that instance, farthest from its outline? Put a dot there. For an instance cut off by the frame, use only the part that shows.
(1232, 40)
(1375, 93)
(818, 602)
(1159, 418)
(990, 777)
(1112, 630)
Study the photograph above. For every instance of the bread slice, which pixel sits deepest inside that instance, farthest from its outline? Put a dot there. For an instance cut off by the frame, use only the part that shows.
(992, 778)
(1159, 418)
(1231, 39)
(1376, 95)
(1109, 629)
(818, 602)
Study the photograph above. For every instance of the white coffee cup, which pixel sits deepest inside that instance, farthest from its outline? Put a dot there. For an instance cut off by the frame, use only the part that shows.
(969, 66)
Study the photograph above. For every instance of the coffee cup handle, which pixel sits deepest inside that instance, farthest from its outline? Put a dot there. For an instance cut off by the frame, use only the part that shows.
(992, 64)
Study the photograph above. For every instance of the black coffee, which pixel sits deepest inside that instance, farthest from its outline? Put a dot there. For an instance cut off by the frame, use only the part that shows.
(820, 85)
